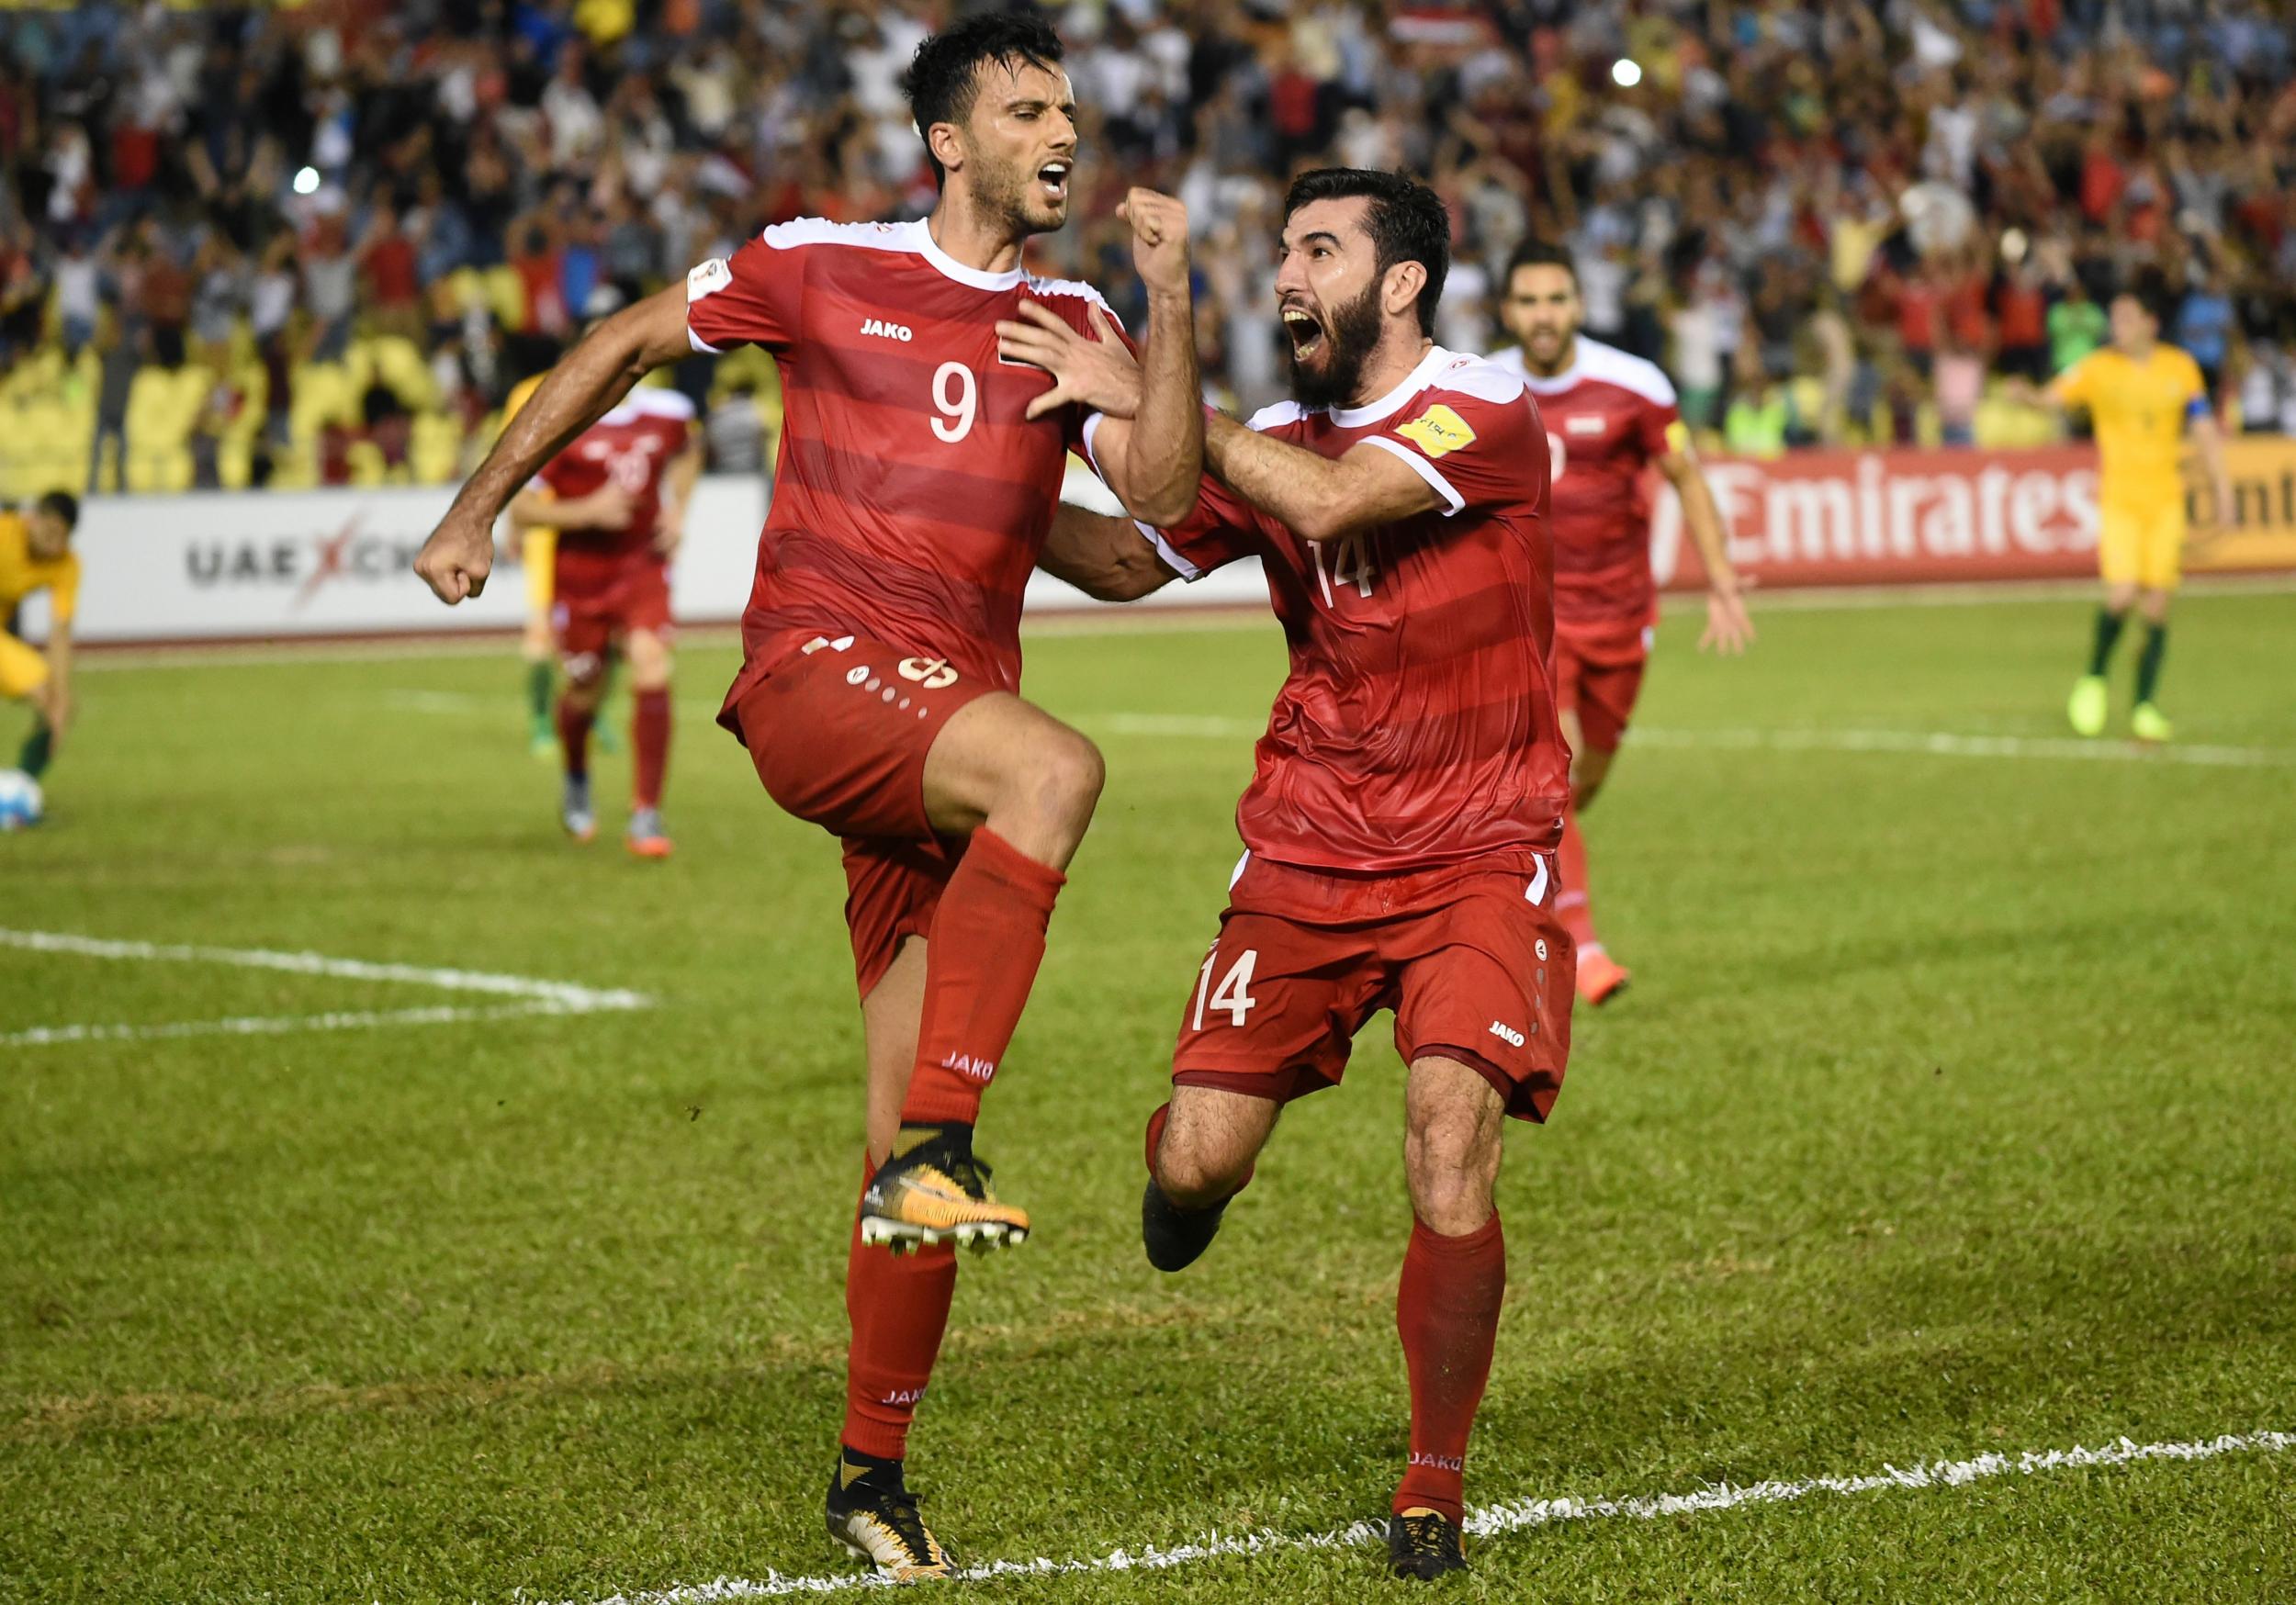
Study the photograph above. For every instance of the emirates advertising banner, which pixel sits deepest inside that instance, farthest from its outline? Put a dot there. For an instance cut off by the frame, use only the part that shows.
(1925, 517)
(273, 565)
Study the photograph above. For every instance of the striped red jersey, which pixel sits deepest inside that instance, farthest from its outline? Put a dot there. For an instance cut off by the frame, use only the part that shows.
(912, 496)
(1607, 419)
(1417, 726)
(633, 446)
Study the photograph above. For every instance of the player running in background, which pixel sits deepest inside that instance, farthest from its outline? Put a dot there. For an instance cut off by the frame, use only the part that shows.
(1402, 826)
(1610, 416)
(917, 481)
(2144, 398)
(535, 550)
(36, 555)
(616, 497)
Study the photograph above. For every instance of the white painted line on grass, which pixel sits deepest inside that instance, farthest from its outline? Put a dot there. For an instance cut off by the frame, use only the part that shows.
(563, 993)
(1946, 743)
(536, 996)
(272, 1025)
(1517, 1516)
(1205, 725)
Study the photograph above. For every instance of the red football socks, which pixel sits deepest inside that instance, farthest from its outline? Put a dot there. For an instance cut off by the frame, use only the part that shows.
(981, 958)
(574, 735)
(1447, 1311)
(1571, 904)
(650, 739)
(897, 1305)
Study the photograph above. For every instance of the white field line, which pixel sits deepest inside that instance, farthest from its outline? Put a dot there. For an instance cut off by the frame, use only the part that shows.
(533, 996)
(272, 1025)
(1517, 1516)
(1944, 743)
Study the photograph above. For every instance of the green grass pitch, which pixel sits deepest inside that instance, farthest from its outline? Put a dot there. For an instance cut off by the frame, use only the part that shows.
(1952, 1112)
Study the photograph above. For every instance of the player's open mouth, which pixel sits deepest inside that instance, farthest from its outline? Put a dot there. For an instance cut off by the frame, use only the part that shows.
(1054, 176)
(1305, 333)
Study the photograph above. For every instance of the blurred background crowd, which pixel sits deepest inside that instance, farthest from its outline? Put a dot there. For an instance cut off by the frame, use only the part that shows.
(301, 244)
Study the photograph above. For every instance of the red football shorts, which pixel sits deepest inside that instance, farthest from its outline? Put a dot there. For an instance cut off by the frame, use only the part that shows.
(592, 611)
(838, 735)
(1598, 674)
(1471, 958)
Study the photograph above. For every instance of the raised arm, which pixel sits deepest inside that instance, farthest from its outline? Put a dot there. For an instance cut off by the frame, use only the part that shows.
(1103, 556)
(1164, 455)
(595, 375)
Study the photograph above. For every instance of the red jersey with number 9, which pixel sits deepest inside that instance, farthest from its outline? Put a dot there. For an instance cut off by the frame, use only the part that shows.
(912, 495)
(1418, 725)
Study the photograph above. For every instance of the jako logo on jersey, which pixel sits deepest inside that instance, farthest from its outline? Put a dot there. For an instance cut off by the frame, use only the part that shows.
(964, 1065)
(932, 673)
(890, 331)
(1507, 1034)
(1440, 1462)
(1438, 431)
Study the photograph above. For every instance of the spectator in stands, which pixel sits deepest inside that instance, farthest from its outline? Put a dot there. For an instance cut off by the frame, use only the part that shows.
(734, 433)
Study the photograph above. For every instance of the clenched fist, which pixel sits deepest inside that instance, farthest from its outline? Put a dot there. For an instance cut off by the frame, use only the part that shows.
(454, 562)
(1159, 240)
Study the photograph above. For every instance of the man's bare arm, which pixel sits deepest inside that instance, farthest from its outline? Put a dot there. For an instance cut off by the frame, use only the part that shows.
(2211, 440)
(1317, 498)
(1728, 629)
(595, 375)
(1103, 556)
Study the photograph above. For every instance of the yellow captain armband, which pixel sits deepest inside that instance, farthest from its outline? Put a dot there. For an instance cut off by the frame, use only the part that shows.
(1678, 439)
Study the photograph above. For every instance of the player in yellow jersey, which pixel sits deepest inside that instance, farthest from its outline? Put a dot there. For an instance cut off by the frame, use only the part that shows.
(2144, 399)
(36, 555)
(537, 549)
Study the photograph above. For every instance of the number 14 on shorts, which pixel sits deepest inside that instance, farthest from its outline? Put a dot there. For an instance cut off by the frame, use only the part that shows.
(1232, 994)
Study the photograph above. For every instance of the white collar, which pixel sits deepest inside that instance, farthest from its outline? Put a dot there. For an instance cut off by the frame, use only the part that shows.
(1392, 402)
(1543, 385)
(980, 278)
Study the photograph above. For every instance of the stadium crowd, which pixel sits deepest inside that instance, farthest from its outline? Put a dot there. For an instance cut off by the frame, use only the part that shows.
(297, 244)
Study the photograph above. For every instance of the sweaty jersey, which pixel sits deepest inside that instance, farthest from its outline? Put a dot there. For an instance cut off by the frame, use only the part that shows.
(633, 446)
(22, 574)
(1418, 725)
(1608, 419)
(912, 496)
(2138, 411)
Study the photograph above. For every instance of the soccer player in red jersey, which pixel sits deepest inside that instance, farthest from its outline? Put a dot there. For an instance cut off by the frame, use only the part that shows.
(1402, 823)
(1610, 416)
(617, 494)
(918, 479)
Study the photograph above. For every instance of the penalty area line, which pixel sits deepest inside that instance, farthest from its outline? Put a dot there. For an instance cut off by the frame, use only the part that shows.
(1517, 1516)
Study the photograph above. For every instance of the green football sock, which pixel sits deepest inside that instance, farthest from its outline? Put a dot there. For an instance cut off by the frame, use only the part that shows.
(539, 685)
(38, 748)
(2109, 625)
(2148, 661)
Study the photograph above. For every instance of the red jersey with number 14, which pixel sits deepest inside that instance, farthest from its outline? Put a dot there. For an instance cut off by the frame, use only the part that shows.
(631, 446)
(912, 496)
(1418, 725)
(1607, 417)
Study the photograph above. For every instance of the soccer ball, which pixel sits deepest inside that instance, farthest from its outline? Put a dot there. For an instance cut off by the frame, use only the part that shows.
(19, 800)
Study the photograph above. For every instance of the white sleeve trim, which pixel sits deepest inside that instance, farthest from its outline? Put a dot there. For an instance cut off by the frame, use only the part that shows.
(1178, 565)
(699, 344)
(1092, 426)
(1454, 502)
